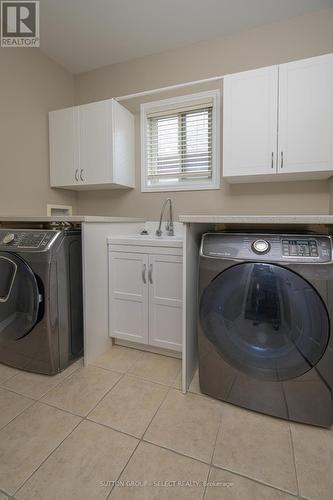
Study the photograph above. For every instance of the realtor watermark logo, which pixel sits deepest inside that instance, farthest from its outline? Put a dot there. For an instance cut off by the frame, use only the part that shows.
(20, 24)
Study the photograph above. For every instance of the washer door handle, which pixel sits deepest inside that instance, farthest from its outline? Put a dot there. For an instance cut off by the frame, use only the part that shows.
(5, 298)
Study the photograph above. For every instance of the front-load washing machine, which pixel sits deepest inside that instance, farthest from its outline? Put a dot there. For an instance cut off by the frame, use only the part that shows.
(265, 310)
(41, 311)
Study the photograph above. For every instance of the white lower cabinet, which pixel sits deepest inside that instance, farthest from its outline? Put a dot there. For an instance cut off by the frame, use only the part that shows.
(145, 296)
(165, 301)
(128, 296)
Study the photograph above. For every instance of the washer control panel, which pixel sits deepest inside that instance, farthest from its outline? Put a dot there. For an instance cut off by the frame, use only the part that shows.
(267, 247)
(26, 239)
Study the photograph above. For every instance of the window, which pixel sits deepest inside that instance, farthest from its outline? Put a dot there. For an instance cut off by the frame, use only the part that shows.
(179, 141)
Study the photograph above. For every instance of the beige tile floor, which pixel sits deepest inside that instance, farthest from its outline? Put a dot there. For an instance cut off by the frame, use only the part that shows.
(121, 429)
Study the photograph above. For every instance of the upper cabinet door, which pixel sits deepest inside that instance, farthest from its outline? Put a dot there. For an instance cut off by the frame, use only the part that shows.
(95, 142)
(64, 147)
(250, 122)
(306, 115)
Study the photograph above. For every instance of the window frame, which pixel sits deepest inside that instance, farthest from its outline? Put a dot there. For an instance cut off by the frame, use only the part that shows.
(170, 104)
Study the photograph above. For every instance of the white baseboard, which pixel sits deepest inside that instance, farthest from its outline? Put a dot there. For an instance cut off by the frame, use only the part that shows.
(148, 348)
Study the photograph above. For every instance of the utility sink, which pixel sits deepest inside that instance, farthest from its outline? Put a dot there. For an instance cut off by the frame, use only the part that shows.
(147, 240)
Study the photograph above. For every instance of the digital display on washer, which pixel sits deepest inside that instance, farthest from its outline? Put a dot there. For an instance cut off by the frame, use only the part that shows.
(31, 240)
(299, 248)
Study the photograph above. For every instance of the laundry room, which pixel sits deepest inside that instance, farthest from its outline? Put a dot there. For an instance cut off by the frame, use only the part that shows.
(166, 249)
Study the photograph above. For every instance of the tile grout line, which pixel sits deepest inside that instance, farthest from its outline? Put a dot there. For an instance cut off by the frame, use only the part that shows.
(44, 394)
(236, 473)
(40, 400)
(28, 408)
(211, 464)
(40, 465)
(155, 413)
(33, 400)
(11, 497)
(122, 432)
(250, 478)
(83, 418)
(141, 440)
(170, 387)
(19, 393)
(216, 437)
(6, 380)
(138, 377)
(20, 413)
(294, 457)
(213, 451)
(122, 375)
(176, 451)
(122, 470)
(66, 411)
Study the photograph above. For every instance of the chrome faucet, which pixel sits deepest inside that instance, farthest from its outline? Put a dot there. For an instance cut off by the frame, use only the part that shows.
(169, 227)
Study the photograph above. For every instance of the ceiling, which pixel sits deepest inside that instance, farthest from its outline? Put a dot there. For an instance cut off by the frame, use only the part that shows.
(85, 34)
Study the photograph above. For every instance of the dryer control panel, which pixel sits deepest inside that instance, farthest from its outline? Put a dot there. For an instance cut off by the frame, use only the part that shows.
(267, 247)
(27, 239)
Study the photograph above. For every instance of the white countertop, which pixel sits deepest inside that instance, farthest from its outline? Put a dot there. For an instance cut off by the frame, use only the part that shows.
(73, 218)
(146, 240)
(257, 219)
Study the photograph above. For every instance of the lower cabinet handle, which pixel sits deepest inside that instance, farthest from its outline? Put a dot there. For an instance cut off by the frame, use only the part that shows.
(81, 176)
(281, 159)
(77, 175)
(272, 159)
(144, 273)
(150, 273)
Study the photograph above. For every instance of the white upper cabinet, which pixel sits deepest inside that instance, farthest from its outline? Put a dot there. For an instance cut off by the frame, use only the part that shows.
(96, 142)
(306, 115)
(250, 122)
(279, 120)
(92, 146)
(64, 161)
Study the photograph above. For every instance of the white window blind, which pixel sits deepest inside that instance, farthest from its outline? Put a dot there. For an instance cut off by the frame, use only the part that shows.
(179, 144)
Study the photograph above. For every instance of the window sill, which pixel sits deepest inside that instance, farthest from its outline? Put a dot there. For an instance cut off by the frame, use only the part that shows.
(189, 187)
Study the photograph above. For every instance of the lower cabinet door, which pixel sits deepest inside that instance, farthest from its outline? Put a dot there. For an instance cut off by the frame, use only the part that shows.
(128, 296)
(165, 301)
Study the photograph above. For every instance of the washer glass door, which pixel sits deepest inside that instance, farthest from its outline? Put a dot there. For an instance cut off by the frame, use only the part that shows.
(19, 298)
(265, 320)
